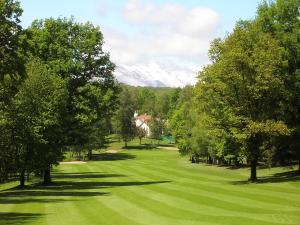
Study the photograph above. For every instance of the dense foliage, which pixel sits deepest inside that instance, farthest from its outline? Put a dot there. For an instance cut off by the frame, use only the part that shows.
(245, 106)
(124, 123)
(57, 91)
(157, 103)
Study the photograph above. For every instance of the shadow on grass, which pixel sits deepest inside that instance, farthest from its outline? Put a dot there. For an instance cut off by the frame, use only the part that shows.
(166, 145)
(46, 194)
(86, 185)
(53, 193)
(141, 147)
(18, 218)
(112, 156)
(260, 166)
(84, 175)
(290, 176)
(11, 198)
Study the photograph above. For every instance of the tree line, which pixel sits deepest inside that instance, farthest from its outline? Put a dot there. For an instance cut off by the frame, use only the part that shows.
(158, 103)
(57, 91)
(245, 107)
(58, 94)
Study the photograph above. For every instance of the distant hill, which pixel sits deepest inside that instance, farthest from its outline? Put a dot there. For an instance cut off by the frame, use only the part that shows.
(152, 76)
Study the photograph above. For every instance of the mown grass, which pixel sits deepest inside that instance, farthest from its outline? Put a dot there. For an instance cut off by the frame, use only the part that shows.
(153, 186)
(113, 143)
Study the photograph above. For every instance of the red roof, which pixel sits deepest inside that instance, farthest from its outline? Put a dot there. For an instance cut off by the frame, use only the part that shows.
(144, 118)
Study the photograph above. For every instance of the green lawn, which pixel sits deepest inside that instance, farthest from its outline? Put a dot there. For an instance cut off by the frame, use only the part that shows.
(153, 187)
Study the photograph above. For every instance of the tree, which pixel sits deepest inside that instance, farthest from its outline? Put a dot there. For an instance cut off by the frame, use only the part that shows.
(181, 120)
(125, 115)
(11, 40)
(38, 107)
(156, 127)
(12, 59)
(93, 108)
(141, 133)
(66, 98)
(245, 83)
(74, 51)
(117, 125)
(246, 103)
(173, 101)
(281, 19)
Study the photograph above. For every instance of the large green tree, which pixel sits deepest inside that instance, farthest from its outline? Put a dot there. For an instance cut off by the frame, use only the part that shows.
(11, 40)
(246, 87)
(12, 49)
(74, 51)
(94, 107)
(156, 127)
(37, 120)
(66, 98)
(140, 133)
(246, 103)
(124, 116)
(281, 19)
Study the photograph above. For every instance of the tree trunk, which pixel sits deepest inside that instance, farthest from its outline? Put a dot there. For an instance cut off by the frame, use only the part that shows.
(90, 153)
(140, 141)
(41, 174)
(28, 176)
(299, 167)
(22, 178)
(3, 176)
(193, 159)
(125, 143)
(47, 176)
(253, 175)
(210, 160)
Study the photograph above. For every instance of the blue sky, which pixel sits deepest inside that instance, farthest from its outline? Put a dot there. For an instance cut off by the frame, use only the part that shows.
(169, 38)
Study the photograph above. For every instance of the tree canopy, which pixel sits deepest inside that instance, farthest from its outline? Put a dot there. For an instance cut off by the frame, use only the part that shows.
(65, 97)
(244, 108)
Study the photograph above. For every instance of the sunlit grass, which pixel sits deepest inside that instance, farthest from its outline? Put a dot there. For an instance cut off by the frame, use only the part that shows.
(153, 186)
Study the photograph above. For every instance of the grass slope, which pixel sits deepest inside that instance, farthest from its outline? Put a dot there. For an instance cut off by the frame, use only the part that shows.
(153, 187)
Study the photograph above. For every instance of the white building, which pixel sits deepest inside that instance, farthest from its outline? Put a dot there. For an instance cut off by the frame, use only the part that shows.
(142, 121)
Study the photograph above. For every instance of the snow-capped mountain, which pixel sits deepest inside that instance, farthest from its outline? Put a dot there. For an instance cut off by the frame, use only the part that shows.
(154, 75)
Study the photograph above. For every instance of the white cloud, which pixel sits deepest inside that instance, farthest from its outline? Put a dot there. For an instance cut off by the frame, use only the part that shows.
(174, 17)
(163, 31)
(136, 12)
